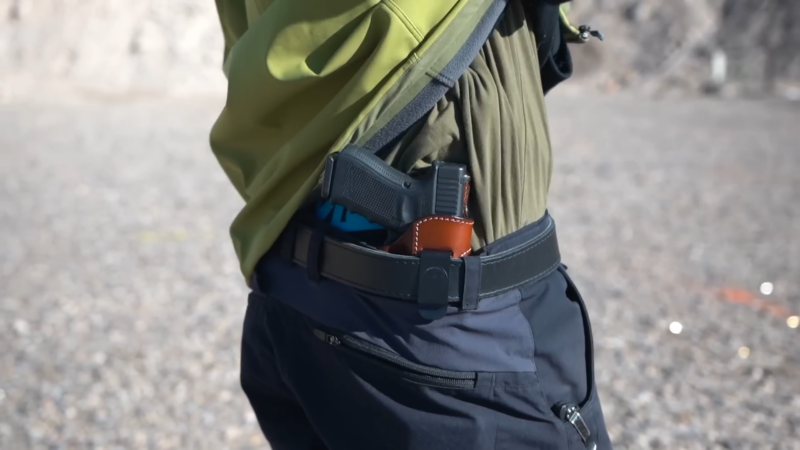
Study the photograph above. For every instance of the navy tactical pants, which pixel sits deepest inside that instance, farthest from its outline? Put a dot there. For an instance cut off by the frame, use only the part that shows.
(326, 366)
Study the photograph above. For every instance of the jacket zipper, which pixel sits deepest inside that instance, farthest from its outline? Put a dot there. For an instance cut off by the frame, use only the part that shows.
(413, 371)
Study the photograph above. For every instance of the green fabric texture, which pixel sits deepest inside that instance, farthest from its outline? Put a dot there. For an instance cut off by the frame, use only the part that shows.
(307, 77)
(493, 120)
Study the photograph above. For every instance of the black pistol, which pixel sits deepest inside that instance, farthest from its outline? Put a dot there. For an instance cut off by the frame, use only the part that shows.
(364, 184)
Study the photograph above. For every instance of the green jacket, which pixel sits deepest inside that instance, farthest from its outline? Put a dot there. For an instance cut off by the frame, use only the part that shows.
(307, 77)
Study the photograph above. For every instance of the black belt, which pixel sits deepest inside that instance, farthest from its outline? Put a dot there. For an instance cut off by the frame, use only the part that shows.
(434, 280)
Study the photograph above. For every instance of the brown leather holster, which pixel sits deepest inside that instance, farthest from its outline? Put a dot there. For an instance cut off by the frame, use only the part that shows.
(443, 233)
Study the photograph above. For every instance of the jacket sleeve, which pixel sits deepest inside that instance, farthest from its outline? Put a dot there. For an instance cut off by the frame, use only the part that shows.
(233, 18)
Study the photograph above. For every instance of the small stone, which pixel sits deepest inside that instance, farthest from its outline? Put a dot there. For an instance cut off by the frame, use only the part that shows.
(644, 397)
(99, 358)
(231, 433)
(21, 327)
(256, 439)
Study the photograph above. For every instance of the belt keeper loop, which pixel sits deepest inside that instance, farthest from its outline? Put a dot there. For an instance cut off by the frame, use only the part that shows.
(434, 283)
(471, 293)
(314, 255)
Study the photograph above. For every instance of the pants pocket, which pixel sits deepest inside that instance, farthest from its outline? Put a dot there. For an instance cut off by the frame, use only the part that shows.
(584, 415)
(574, 295)
(445, 409)
(564, 354)
(393, 363)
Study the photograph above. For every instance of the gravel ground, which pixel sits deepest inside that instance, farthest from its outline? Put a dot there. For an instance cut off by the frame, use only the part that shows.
(121, 302)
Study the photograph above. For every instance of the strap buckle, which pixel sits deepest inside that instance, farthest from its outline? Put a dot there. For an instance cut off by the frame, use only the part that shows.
(434, 284)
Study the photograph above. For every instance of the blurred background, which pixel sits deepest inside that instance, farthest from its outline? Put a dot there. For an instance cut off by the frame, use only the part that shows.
(676, 189)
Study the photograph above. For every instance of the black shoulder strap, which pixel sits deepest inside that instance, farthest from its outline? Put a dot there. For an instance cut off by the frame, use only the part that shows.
(427, 98)
(555, 63)
(555, 60)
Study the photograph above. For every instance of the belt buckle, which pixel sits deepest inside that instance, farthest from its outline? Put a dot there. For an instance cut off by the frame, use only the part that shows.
(434, 284)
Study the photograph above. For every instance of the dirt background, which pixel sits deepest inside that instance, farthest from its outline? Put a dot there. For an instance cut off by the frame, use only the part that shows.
(659, 46)
(120, 299)
(109, 47)
(653, 46)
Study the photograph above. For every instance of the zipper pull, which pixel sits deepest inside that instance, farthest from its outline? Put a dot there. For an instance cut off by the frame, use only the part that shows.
(325, 337)
(585, 31)
(571, 413)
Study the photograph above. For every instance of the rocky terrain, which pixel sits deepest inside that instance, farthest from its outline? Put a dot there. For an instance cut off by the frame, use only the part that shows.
(669, 47)
(652, 46)
(109, 47)
(120, 298)
(121, 302)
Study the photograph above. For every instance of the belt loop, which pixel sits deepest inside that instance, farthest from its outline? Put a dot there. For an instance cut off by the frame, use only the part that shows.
(314, 255)
(472, 283)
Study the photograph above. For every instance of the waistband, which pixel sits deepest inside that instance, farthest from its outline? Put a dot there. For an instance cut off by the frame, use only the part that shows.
(433, 280)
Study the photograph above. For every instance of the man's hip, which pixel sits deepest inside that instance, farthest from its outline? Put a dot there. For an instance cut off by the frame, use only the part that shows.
(368, 371)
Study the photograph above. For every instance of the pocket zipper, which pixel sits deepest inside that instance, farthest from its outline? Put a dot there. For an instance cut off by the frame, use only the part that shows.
(571, 413)
(413, 371)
